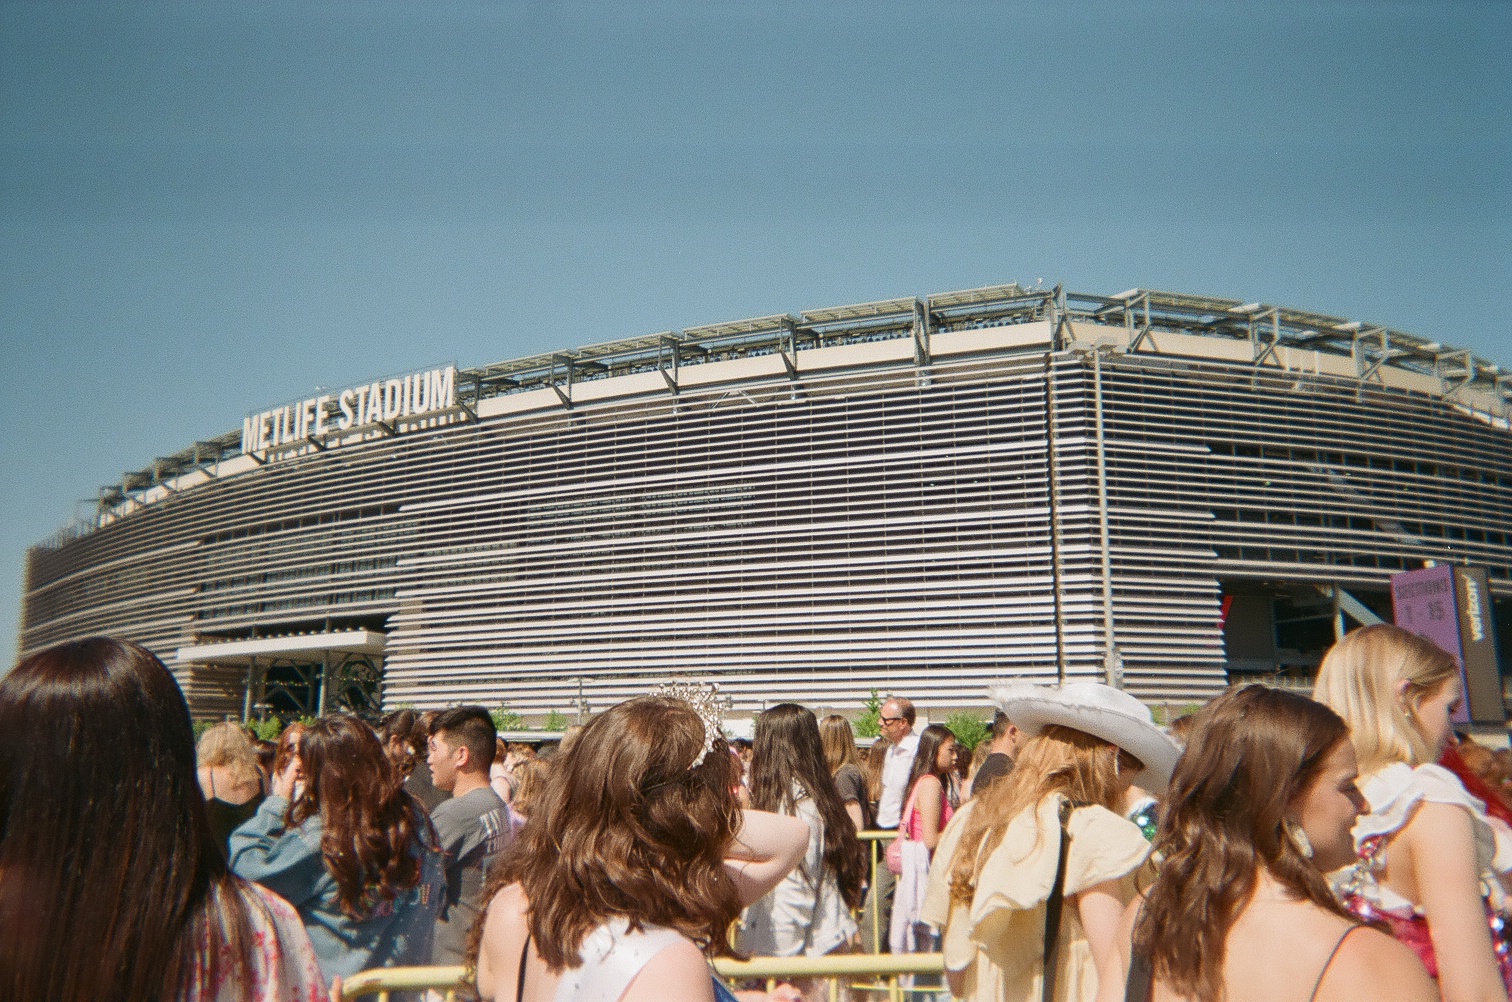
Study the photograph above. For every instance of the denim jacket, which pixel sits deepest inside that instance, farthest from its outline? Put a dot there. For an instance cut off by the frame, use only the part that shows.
(288, 862)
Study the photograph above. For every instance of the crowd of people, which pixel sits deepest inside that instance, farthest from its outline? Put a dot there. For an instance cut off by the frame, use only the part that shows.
(1269, 846)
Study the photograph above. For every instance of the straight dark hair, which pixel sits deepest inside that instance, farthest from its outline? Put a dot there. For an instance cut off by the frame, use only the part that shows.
(1250, 754)
(112, 886)
(472, 728)
(930, 740)
(787, 750)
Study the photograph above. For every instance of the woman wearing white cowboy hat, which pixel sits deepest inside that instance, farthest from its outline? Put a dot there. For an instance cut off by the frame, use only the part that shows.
(1000, 874)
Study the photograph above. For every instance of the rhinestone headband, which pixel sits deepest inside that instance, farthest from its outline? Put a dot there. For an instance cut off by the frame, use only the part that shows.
(704, 698)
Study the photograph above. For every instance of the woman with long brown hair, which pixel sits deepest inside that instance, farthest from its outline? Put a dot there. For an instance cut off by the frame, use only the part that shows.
(633, 865)
(352, 851)
(928, 805)
(112, 885)
(286, 751)
(871, 768)
(808, 914)
(1031, 878)
(1259, 808)
(844, 763)
(1426, 849)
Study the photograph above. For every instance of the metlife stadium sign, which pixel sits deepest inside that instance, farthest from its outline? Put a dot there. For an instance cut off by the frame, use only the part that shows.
(384, 406)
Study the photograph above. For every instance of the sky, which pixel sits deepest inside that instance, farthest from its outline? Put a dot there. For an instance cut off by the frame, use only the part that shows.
(207, 209)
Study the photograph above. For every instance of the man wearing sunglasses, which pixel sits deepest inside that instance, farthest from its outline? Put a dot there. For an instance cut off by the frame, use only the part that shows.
(897, 721)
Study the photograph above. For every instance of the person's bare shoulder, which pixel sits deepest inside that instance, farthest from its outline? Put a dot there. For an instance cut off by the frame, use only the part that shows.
(678, 972)
(503, 935)
(509, 904)
(1372, 965)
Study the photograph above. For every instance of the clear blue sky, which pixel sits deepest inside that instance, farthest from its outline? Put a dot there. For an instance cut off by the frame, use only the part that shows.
(207, 209)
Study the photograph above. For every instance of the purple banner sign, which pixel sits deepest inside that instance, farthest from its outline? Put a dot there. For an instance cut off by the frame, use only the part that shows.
(1423, 602)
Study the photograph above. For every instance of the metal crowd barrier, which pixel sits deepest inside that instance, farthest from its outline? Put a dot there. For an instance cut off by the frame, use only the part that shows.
(862, 975)
(876, 843)
(872, 975)
(382, 980)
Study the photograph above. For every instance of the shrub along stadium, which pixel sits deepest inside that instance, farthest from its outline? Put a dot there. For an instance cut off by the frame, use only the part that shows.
(921, 496)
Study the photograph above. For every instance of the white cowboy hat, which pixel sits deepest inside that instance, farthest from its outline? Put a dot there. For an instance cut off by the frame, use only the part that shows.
(1099, 710)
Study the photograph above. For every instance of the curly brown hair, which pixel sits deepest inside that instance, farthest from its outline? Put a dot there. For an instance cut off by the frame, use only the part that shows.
(627, 827)
(1250, 754)
(372, 828)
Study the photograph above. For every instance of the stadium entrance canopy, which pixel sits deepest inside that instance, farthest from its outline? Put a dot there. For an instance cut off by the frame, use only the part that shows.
(304, 674)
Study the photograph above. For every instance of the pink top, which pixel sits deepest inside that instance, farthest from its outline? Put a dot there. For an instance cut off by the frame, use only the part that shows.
(916, 823)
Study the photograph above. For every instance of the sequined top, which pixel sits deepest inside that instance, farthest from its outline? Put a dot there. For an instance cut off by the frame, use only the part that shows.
(1394, 794)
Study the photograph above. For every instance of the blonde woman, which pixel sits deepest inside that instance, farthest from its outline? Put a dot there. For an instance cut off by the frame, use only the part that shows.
(1426, 849)
(1044, 848)
(231, 779)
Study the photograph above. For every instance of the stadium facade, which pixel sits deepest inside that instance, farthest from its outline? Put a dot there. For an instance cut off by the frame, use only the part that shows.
(920, 496)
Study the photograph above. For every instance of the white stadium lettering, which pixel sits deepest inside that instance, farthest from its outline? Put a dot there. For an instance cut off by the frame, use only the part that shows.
(357, 408)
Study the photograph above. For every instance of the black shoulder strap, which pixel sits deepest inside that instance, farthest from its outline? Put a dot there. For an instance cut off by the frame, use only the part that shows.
(1329, 962)
(520, 980)
(1140, 984)
(1054, 903)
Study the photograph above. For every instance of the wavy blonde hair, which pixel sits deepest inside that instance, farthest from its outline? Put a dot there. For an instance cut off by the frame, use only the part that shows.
(227, 746)
(1082, 768)
(1360, 680)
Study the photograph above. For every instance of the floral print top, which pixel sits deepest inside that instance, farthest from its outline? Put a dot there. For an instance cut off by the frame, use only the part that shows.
(282, 961)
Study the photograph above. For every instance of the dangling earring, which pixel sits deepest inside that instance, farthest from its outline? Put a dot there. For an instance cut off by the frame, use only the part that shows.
(1298, 837)
(1116, 757)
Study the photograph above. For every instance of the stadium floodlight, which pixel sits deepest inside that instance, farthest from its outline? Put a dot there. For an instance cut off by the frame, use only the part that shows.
(1127, 294)
(1246, 309)
(1351, 327)
(1430, 346)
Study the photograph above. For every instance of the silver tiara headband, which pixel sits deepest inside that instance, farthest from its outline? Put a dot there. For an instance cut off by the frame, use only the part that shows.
(704, 698)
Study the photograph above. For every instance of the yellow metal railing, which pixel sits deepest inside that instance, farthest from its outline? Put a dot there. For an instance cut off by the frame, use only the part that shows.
(382, 980)
(876, 842)
(863, 975)
(888, 971)
(869, 975)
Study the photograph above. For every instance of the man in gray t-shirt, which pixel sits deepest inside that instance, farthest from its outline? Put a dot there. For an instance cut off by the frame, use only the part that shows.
(473, 824)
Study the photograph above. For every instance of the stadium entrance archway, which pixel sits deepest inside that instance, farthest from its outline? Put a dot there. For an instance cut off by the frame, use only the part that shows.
(301, 675)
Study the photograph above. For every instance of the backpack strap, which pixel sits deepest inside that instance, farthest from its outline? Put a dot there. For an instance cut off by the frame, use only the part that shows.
(1054, 904)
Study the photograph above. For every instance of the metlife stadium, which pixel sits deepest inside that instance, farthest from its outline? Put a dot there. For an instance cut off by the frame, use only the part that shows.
(919, 496)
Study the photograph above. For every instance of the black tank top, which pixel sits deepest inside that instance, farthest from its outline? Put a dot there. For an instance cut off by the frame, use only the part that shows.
(225, 817)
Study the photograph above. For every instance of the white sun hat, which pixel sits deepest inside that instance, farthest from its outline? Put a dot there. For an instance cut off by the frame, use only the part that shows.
(1096, 709)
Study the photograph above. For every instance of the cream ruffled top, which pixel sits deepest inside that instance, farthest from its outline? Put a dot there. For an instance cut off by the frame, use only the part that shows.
(1394, 793)
(998, 938)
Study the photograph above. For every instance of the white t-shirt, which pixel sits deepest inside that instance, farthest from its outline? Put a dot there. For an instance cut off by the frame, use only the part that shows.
(894, 778)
